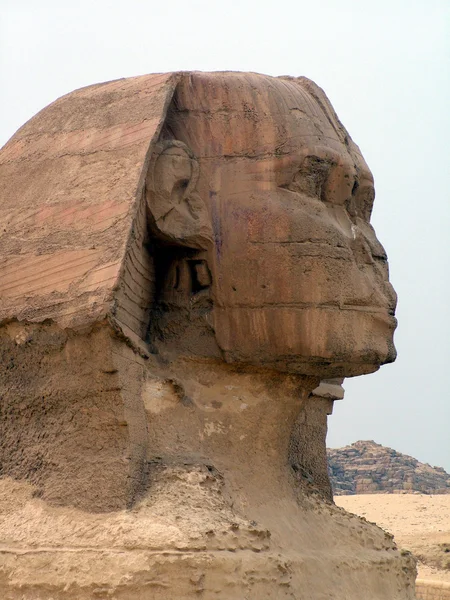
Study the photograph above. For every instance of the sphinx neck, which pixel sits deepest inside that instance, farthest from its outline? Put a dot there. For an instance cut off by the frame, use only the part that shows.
(247, 425)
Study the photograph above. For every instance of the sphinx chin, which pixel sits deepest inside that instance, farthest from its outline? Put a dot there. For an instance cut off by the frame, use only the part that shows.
(363, 361)
(318, 341)
(338, 359)
(321, 367)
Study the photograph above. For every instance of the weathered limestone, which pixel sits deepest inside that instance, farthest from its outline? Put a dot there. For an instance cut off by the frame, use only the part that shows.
(369, 468)
(185, 258)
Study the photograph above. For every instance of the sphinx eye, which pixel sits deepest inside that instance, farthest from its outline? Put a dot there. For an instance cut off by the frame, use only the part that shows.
(365, 197)
(310, 179)
(361, 202)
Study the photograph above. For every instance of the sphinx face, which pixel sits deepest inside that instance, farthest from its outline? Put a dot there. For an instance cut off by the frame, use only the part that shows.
(300, 281)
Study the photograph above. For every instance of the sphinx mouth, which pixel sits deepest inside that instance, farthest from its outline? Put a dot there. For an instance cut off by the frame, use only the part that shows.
(334, 305)
(365, 308)
(381, 312)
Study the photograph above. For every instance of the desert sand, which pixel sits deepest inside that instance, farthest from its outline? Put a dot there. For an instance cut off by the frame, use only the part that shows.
(420, 523)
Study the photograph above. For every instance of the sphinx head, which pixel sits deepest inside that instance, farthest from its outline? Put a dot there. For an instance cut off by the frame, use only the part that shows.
(260, 205)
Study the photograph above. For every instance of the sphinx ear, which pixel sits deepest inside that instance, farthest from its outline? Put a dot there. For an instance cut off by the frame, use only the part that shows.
(176, 213)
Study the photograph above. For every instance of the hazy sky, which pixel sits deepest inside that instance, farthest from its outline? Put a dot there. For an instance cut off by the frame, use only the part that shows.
(385, 66)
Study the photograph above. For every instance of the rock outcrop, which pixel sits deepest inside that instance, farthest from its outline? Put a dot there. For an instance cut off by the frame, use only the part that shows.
(366, 467)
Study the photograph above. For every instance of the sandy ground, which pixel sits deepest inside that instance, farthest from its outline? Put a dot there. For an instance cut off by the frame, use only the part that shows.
(419, 523)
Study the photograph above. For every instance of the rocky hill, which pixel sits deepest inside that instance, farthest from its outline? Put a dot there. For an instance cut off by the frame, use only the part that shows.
(369, 468)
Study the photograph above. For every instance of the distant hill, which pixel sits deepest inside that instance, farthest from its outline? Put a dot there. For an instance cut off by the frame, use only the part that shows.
(369, 468)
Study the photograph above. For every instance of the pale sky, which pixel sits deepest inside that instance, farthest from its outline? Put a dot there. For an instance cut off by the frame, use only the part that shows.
(385, 65)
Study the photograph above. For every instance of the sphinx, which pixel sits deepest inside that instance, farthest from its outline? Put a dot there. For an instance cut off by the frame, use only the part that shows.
(188, 272)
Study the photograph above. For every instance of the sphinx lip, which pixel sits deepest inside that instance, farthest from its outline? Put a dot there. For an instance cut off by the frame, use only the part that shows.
(393, 321)
(379, 311)
(366, 308)
(372, 309)
(386, 318)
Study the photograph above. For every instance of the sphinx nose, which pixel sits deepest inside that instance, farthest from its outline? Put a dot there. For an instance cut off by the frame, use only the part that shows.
(371, 253)
(391, 295)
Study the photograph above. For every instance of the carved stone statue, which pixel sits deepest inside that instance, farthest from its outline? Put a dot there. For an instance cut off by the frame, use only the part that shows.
(184, 259)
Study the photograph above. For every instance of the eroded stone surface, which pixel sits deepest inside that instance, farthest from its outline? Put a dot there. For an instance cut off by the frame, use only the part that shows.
(366, 467)
(184, 258)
